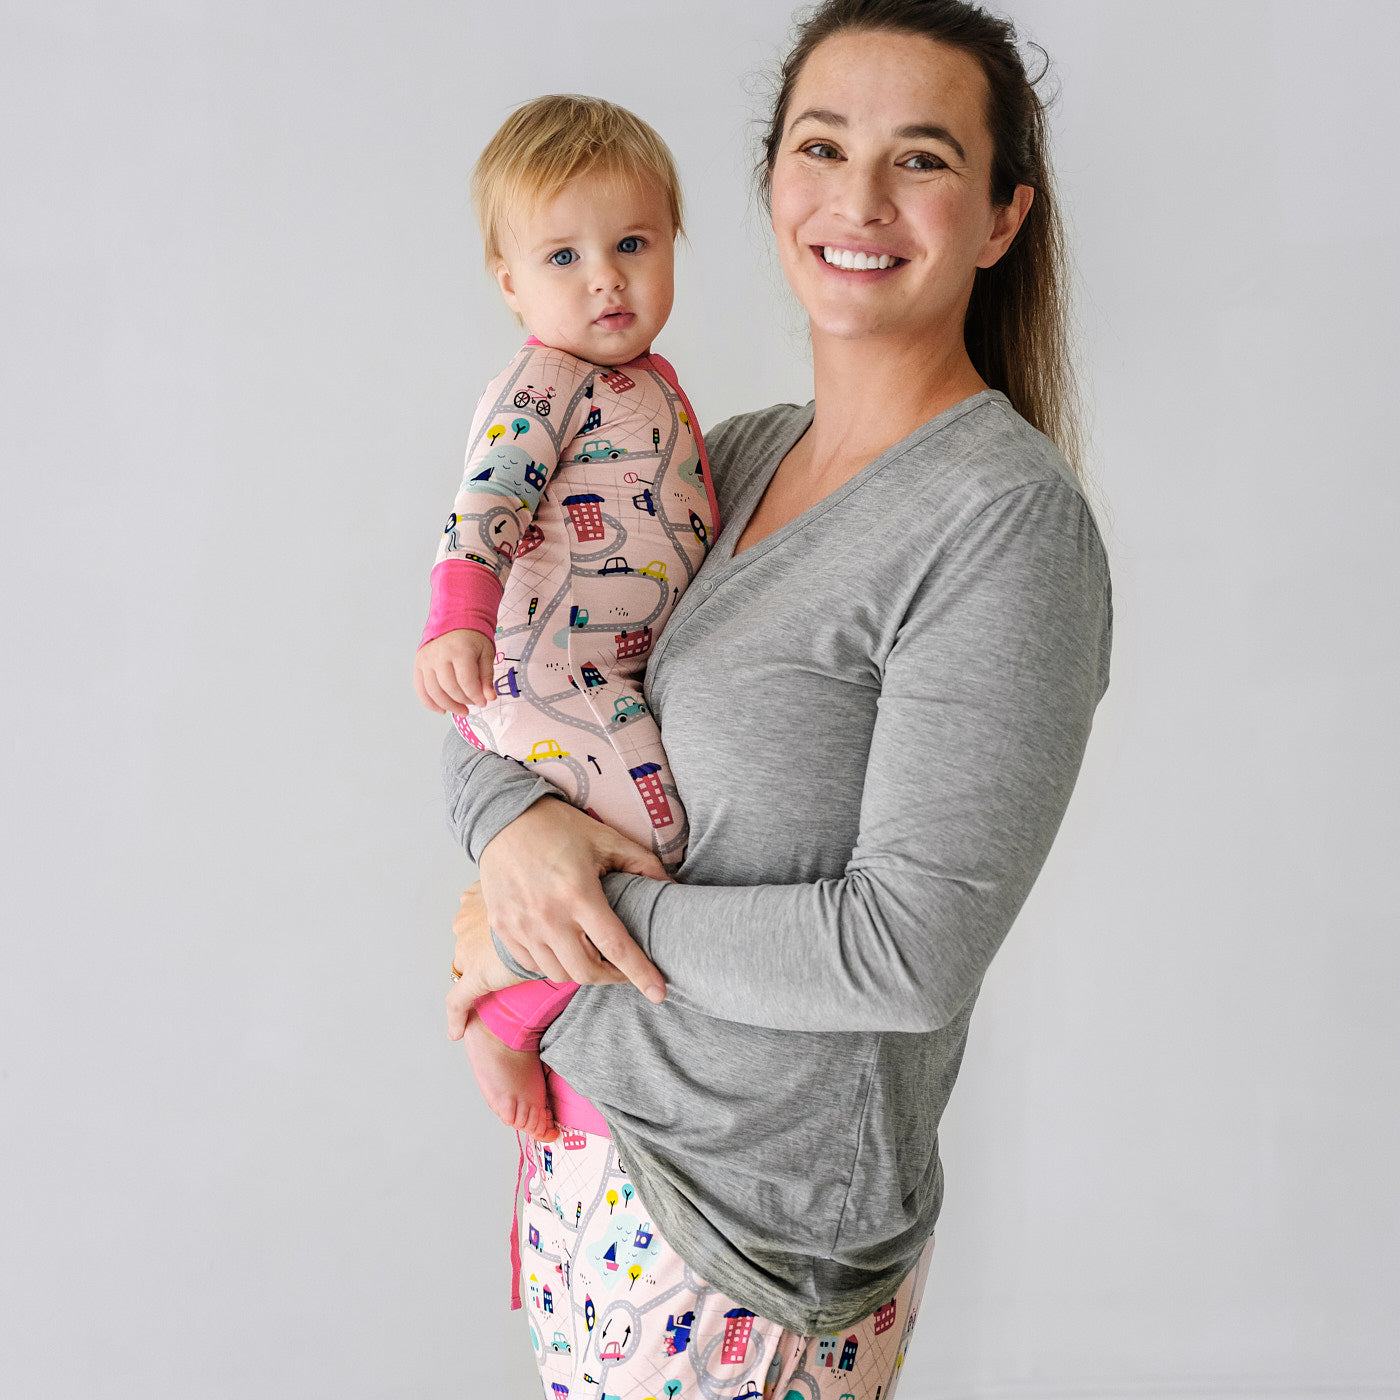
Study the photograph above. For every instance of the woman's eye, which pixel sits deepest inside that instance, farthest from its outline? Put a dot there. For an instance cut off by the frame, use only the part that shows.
(630, 244)
(925, 161)
(563, 257)
(822, 150)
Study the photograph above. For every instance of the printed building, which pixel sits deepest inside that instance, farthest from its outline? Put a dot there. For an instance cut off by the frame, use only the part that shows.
(633, 643)
(738, 1324)
(848, 1352)
(586, 512)
(532, 539)
(653, 795)
(618, 382)
(884, 1318)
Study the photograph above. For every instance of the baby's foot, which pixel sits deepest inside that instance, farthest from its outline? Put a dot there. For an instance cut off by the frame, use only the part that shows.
(511, 1082)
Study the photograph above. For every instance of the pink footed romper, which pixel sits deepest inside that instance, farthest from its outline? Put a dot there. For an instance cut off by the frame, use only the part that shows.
(585, 510)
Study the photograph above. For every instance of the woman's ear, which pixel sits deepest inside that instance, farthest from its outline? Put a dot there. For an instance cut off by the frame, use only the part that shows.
(1006, 225)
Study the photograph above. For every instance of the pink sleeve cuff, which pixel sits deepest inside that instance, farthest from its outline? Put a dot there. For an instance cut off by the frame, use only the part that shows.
(517, 1016)
(463, 595)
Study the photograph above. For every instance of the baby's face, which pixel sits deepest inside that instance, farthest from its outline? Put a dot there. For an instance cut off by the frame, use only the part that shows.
(591, 272)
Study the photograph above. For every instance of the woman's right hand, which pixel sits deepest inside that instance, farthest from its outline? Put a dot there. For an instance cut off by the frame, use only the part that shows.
(540, 877)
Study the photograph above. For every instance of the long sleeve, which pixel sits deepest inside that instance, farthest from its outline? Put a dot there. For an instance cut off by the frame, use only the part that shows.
(485, 792)
(522, 424)
(984, 710)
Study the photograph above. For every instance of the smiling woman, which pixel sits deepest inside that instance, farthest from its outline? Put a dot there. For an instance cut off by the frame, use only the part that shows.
(1015, 327)
(874, 700)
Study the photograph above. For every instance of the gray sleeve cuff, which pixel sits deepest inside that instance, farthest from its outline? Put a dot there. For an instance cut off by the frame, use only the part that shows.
(485, 792)
(633, 897)
(510, 962)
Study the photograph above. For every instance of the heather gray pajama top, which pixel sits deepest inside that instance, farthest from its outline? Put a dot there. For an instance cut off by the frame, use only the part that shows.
(875, 717)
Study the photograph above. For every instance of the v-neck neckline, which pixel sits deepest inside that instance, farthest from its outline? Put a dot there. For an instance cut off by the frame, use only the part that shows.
(729, 561)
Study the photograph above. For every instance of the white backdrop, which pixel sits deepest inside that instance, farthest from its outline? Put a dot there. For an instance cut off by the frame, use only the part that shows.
(244, 324)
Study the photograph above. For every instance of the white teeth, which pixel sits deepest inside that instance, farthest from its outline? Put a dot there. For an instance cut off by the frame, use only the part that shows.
(856, 262)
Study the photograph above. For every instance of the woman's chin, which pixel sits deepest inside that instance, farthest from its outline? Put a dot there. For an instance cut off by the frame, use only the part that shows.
(857, 323)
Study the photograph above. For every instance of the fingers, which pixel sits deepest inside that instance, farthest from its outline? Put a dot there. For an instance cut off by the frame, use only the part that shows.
(486, 674)
(420, 687)
(447, 703)
(579, 958)
(458, 1010)
(624, 854)
(446, 677)
(466, 677)
(538, 959)
(609, 936)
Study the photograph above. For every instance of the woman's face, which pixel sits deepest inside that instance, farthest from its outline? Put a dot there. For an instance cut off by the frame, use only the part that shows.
(886, 157)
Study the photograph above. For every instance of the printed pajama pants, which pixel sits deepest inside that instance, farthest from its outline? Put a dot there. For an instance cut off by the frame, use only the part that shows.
(615, 1314)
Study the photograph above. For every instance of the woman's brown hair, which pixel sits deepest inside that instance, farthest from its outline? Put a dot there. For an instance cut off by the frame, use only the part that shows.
(1016, 328)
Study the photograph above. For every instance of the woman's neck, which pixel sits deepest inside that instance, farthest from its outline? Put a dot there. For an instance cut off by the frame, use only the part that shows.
(872, 392)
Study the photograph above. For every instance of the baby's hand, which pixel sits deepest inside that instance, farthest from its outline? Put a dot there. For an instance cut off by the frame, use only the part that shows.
(455, 670)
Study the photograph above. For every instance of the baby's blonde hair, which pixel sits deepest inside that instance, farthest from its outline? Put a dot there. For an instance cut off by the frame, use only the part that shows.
(552, 140)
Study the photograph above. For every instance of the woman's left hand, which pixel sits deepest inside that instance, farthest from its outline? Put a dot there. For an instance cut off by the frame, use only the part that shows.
(476, 959)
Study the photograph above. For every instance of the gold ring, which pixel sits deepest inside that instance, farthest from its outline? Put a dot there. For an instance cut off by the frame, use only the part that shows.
(456, 976)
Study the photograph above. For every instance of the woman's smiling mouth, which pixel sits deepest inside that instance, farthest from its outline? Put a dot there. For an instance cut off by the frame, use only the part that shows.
(849, 260)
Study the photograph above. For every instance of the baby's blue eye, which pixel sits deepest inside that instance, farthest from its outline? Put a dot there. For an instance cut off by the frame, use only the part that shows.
(630, 244)
(563, 257)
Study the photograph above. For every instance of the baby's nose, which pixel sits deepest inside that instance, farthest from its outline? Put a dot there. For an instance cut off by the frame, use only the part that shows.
(609, 277)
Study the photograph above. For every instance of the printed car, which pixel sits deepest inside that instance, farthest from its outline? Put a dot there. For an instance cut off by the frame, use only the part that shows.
(599, 447)
(625, 708)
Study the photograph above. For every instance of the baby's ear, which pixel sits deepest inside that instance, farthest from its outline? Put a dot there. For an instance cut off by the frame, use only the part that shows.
(501, 273)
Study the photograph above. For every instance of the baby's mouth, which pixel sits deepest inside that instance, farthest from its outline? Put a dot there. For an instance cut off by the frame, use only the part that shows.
(619, 319)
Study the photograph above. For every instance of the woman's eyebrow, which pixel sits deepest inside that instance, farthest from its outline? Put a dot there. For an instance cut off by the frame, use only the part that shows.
(820, 114)
(932, 133)
(917, 131)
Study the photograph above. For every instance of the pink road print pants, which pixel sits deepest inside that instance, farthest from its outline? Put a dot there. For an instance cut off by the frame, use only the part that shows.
(616, 1314)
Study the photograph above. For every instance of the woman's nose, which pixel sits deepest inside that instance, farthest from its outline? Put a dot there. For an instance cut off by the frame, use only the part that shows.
(861, 197)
